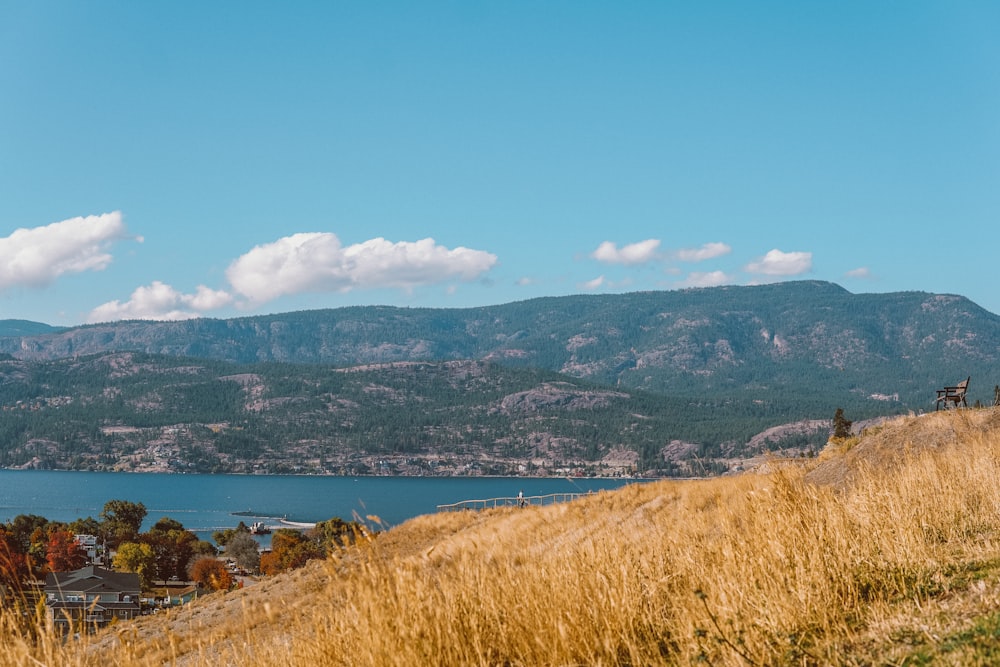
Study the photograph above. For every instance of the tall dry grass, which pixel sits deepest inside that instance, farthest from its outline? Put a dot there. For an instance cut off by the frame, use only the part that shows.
(765, 569)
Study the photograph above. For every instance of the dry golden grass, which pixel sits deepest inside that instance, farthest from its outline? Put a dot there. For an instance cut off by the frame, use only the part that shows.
(885, 550)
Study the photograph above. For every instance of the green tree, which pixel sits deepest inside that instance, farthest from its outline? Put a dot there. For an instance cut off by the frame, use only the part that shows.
(243, 549)
(203, 548)
(22, 527)
(88, 526)
(222, 537)
(173, 546)
(336, 532)
(166, 524)
(38, 551)
(841, 425)
(138, 558)
(122, 520)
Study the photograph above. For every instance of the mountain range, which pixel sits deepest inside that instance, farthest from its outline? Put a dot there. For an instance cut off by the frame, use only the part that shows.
(709, 370)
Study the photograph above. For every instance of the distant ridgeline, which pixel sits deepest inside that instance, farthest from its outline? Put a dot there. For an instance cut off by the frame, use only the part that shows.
(25, 328)
(563, 382)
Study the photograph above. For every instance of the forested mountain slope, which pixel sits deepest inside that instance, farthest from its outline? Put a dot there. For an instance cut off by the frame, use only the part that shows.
(794, 338)
(679, 383)
(133, 411)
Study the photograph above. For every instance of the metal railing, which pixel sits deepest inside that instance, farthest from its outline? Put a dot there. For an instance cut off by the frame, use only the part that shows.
(516, 501)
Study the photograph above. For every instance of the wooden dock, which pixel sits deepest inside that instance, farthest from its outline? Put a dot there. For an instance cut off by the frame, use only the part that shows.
(515, 501)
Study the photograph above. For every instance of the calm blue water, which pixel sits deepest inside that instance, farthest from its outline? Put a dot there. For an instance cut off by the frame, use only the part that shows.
(204, 503)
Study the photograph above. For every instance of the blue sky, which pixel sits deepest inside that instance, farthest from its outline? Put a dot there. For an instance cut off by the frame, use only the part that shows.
(181, 159)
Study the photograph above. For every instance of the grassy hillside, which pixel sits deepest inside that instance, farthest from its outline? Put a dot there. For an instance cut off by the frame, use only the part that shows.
(884, 550)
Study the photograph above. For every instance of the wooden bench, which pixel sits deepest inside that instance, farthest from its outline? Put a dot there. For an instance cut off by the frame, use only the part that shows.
(954, 395)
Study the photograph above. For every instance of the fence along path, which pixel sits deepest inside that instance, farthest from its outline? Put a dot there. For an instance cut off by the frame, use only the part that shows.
(516, 501)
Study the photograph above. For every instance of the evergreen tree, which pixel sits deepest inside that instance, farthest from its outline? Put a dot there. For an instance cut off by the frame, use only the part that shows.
(841, 426)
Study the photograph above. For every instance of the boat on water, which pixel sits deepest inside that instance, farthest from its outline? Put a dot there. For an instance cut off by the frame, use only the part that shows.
(259, 528)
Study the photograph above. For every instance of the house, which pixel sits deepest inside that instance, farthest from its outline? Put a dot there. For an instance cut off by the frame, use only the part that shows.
(91, 596)
(88, 543)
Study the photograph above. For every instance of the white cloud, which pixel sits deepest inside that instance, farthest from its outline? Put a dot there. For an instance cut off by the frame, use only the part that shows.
(36, 257)
(205, 299)
(596, 283)
(317, 262)
(634, 253)
(159, 301)
(524, 281)
(709, 279)
(862, 272)
(778, 263)
(707, 251)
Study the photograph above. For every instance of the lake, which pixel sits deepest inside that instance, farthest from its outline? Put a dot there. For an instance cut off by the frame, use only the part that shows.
(205, 503)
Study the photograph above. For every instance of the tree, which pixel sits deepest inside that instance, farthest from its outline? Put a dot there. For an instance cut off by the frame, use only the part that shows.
(13, 565)
(122, 520)
(22, 527)
(204, 548)
(243, 549)
(270, 563)
(336, 532)
(88, 526)
(64, 553)
(211, 573)
(38, 543)
(173, 546)
(290, 549)
(222, 537)
(138, 558)
(841, 426)
(166, 524)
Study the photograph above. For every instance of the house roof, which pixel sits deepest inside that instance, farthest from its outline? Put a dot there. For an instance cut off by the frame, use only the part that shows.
(93, 606)
(92, 579)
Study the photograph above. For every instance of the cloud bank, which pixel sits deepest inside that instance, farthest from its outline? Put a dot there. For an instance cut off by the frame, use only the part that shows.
(308, 262)
(38, 256)
(159, 301)
(317, 262)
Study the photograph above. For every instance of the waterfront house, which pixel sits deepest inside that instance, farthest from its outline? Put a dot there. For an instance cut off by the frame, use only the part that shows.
(91, 596)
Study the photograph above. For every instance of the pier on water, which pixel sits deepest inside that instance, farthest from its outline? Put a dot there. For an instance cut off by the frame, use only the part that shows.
(508, 501)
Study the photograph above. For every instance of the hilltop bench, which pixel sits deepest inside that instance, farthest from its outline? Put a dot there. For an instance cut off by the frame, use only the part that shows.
(954, 395)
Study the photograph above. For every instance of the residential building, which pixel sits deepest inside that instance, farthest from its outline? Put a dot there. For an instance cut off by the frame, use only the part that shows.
(91, 596)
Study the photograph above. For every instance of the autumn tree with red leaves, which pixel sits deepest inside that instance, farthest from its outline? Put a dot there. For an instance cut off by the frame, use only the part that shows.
(13, 565)
(63, 552)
